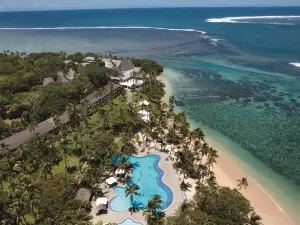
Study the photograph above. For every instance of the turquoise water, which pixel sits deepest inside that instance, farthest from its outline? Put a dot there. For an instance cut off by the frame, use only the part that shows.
(129, 222)
(148, 176)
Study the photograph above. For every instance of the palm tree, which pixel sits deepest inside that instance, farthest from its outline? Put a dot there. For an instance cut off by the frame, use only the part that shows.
(211, 181)
(152, 213)
(254, 219)
(131, 191)
(65, 152)
(242, 183)
(133, 209)
(185, 186)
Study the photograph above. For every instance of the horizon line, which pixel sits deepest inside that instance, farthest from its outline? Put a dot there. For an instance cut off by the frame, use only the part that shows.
(154, 7)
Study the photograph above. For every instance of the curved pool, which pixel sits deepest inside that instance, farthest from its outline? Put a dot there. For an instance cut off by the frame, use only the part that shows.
(129, 222)
(148, 176)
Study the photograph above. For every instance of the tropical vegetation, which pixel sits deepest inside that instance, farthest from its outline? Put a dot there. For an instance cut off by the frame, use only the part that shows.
(39, 179)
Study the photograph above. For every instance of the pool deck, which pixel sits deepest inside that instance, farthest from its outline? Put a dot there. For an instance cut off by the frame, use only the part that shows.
(171, 178)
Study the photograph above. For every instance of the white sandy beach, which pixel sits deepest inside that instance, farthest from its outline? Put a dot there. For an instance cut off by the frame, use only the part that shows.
(228, 172)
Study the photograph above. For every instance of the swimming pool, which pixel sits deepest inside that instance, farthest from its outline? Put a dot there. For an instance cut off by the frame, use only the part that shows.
(129, 222)
(148, 176)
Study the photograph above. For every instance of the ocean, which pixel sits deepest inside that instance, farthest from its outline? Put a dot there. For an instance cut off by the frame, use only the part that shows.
(236, 72)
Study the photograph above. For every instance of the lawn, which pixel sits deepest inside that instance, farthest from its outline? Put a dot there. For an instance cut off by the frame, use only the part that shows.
(71, 161)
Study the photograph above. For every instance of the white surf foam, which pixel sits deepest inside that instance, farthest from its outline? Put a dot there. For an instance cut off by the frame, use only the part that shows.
(237, 19)
(295, 64)
(101, 27)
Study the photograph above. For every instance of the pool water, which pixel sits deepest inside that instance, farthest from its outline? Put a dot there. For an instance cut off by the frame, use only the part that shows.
(129, 222)
(148, 176)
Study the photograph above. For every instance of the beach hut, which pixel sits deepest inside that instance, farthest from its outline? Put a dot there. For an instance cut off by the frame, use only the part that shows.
(112, 181)
(83, 194)
(48, 80)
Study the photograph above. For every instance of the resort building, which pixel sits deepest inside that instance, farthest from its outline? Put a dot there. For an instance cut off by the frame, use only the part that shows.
(132, 83)
(125, 69)
(116, 62)
(108, 63)
(108, 92)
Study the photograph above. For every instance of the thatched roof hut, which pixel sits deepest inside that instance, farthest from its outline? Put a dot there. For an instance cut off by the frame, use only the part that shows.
(48, 80)
(61, 78)
(83, 194)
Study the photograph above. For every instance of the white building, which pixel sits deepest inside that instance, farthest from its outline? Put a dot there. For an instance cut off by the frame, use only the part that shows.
(132, 82)
(144, 102)
(108, 63)
(145, 115)
(89, 59)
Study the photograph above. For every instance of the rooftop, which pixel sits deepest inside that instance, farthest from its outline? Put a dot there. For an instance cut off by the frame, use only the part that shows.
(48, 80)
(83, 194)
(125, 65)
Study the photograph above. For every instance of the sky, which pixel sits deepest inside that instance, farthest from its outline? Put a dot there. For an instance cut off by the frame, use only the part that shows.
(6, 5)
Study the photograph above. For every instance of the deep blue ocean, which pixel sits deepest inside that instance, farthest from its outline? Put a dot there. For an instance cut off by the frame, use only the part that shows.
(238, 71)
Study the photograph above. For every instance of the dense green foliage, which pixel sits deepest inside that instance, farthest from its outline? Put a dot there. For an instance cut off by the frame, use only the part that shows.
(25, 101)
(99, 76)
(149, 66)
(215, 206)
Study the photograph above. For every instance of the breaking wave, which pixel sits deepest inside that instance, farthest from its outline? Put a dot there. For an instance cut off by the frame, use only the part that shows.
(241, 18)
(295, 64)
(100, 27)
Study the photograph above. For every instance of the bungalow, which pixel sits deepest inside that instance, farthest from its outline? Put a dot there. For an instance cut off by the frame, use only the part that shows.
(89, 59)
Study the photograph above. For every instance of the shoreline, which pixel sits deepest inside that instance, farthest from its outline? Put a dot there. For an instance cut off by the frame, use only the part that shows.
(228, 171)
